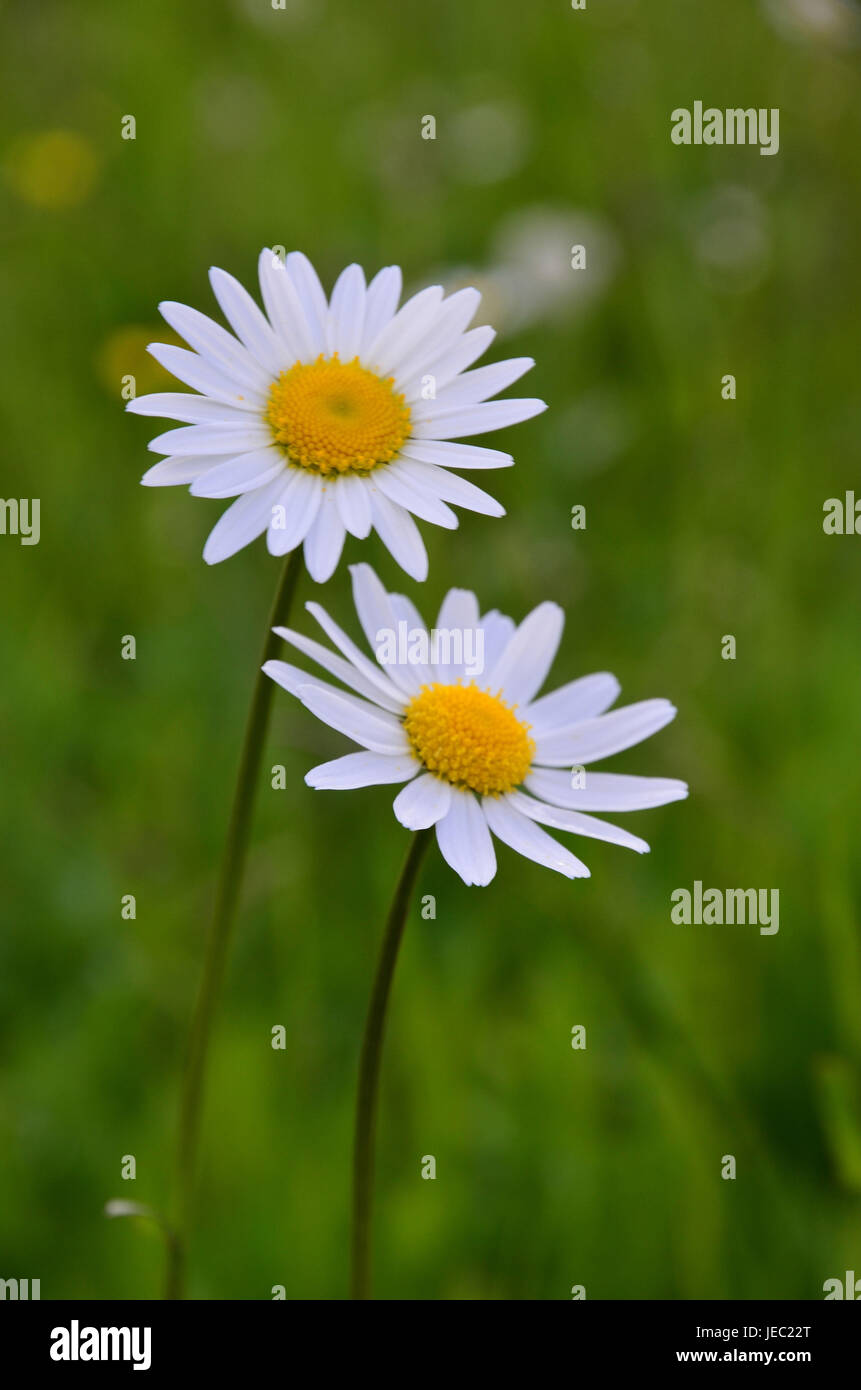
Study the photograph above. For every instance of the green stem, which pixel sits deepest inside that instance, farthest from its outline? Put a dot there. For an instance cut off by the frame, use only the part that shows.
(221, 930)
(369, 1070)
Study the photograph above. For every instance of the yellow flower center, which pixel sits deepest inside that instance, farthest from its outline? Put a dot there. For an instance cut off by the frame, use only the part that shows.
(337, 417)
(469, 737)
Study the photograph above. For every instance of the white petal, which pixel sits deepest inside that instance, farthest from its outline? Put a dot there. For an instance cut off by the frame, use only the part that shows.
(294, 680)
(170, 472)
(242, 523)
(472, 387)
(522, 668)
(352, 496)
(604, 791)
(374, 728)
(448, 325)
(202, 376)
(458, 612)
(406, 612)
(446, 454)
(400, 536)
(344, 670)
(215, 344)
(498, 632)
(440, 483)
(464, 839)
(238, 438)
(576, 822)
(401, 333)
(325, 540)
(459, 608)
(394, 482)
(240, 474)
(285, 311)
(246, 320)
(582, 699)
(311, 296)
(602, 737)
(361, 770)
(377, 615)
(449, 364)
(376, 678)
(474, 419)
(381, 303)
(423, 802)
(528, 839)
(301, 499)
(191, 409)
(347, 313)
(405, 609)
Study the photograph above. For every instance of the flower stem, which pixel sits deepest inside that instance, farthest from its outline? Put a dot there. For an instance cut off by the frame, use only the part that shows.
(369, 1070)
(221, 930)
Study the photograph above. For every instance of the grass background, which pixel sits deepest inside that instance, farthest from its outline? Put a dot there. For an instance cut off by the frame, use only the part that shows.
(302, 127)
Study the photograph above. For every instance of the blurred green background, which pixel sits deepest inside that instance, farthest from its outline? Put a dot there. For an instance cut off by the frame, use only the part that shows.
(301, 127)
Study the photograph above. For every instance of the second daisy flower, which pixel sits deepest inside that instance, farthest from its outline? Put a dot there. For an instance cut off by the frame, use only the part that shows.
(479, 757)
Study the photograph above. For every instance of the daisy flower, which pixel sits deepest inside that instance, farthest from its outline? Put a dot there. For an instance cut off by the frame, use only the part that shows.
(480, 757)
(324, 417)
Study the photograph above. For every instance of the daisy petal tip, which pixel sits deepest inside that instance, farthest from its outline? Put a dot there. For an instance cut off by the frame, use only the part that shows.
(211, 553)
(319, 570)
(550, 610)
(464, 877)
(573, 868)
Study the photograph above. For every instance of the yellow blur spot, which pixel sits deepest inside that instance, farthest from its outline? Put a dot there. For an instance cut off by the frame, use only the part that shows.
(54, 169)
(124, 354)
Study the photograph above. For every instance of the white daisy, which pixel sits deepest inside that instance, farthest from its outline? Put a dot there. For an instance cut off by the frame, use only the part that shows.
(327, 417)
(479, 757)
